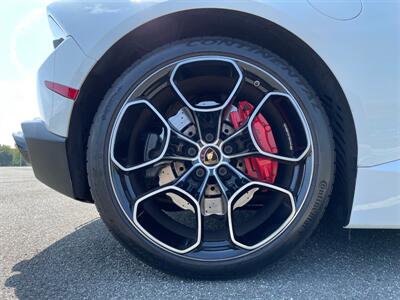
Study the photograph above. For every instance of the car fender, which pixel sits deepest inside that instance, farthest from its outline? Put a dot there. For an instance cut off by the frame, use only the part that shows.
(367, 71)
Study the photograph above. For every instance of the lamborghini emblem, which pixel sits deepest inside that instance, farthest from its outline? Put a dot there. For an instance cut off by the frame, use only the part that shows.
(210, 156)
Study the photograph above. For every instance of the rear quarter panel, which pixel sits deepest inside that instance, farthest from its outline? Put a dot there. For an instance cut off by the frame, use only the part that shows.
(362, 52)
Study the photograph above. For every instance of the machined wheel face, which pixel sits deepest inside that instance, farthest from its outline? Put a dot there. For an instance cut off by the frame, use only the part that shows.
(210, 158)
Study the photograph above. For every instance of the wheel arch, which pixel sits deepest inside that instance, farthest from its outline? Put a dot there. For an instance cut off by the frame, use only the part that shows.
(233, 24)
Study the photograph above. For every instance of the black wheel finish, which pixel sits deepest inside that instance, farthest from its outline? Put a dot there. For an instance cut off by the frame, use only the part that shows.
(171, 170)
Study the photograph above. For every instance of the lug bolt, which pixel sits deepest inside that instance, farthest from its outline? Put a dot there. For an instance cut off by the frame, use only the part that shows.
(192, 151)
(200, 172)
(209, 137)
(228, 149)
(222, 171)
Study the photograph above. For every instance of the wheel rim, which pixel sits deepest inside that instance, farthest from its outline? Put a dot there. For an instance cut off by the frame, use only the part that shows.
(150, 139)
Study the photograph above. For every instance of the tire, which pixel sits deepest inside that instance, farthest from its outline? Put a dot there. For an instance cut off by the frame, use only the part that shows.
(317, 168)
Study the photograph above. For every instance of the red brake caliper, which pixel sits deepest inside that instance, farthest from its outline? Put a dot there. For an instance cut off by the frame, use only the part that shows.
(261, 168)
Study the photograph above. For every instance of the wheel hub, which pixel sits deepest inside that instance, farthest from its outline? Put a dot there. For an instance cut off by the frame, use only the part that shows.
(210, 156)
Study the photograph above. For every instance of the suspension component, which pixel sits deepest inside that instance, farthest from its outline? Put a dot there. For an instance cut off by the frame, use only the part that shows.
(263, 169)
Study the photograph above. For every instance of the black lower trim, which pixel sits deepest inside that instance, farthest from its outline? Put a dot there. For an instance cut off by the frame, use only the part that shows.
(22, 147)
(48, 156)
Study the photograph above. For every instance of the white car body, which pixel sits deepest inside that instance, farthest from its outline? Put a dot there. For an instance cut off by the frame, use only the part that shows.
(358, 41)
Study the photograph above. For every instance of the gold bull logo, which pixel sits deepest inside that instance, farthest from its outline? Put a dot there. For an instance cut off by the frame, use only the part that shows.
(210, 157)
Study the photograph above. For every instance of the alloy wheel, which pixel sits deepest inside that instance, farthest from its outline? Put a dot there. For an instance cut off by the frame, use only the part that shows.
(210, 157)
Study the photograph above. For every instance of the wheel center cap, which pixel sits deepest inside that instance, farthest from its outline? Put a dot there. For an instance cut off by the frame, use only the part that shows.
(210, 156)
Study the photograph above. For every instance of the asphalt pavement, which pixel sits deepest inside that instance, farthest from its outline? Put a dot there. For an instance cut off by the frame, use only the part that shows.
(52, 247)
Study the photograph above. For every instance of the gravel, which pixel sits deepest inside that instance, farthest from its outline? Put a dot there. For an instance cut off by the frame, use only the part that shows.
(54, 247)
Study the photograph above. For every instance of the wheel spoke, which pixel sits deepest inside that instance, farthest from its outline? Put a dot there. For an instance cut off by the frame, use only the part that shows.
(174, 144)
(306, 129)
(244, 144)
(180, 147)
(245, 194)
(208, 112)
(230, 179)
(207, 234)
(188, 191)
(194, 181)
(200, 67)
(208, 124)
(187, 202)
